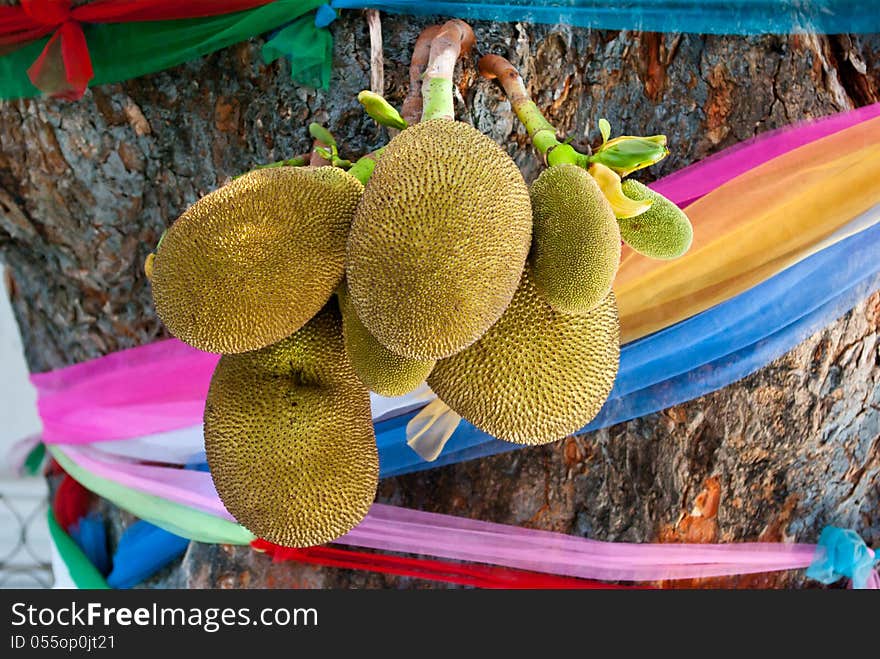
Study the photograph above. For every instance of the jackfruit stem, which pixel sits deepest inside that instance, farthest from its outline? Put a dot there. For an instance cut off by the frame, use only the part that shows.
(316, 159)
(362, 170)
(437, 99)
(298, 161)
(412, 104)
(325, 150)
(542, 132)
(451, 41)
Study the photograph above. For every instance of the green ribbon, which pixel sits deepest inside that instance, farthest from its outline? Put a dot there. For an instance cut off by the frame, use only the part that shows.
(173, 517)
(34, 459)
(84, 574)
(309, 49)
(122, 51)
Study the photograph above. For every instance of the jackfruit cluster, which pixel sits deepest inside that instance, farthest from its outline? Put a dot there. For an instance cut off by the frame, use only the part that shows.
(444, 267)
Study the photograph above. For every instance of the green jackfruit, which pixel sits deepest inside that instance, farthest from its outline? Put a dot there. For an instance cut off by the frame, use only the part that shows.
(250, 263)
(576, 242)
(289, 437)
(378, 368)
(438, 241)
(661, 232)
(537, 375)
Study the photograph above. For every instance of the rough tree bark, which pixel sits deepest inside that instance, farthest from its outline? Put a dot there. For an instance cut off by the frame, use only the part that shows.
(87, 188)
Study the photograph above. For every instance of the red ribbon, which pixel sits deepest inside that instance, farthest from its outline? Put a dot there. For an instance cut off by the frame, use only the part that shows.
(479, 576)
(64, 68)
(71, 502)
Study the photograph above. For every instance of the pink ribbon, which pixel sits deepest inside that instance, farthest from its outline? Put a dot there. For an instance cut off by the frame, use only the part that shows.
(687, 185)
(389, 528)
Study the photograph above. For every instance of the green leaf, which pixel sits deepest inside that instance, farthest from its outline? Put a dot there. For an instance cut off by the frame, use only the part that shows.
(604, 129)
(318, 132)
(382, 112)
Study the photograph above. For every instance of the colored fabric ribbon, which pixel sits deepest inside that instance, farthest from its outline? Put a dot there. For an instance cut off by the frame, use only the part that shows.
(112, 40)
(308, 50)
(699, 16)
(90, 535)
(70, 503)
(82, 571)
(753, 227)
(324, 16)
(841, 553)
(393, 529)
(478, 576)
(143, 550)
(175, 518)
(687, 185)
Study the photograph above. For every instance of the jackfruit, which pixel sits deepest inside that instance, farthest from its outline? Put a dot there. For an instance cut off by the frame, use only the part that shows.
(576, 242)
(251, 262)
(537, 375)
(377, 367)
(438, 241)
(661, 232)
(289, 437)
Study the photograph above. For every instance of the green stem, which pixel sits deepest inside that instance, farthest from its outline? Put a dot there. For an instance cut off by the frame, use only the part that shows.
(543, 135)
(362, 170)
(528, 113)
(437, 99)
(542, 132)
(299, 161)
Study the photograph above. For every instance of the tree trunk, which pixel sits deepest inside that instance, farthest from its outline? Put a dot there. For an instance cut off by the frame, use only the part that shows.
(87, 188)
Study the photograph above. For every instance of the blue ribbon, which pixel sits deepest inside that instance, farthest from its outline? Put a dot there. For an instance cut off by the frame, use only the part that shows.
(143, 550)
(842, 553)
(695, 16)
(90, 535)
(324, 15)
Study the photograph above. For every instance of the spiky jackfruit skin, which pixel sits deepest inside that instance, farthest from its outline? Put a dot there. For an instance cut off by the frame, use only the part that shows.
(377, 367)
(251, 262)
(661, 232)
(438, 241)
(289, 437)
(576, 241)
(537, 375)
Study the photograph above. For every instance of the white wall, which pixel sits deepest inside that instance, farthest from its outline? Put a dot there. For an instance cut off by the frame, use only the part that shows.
(22, 500)
(18, 410)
